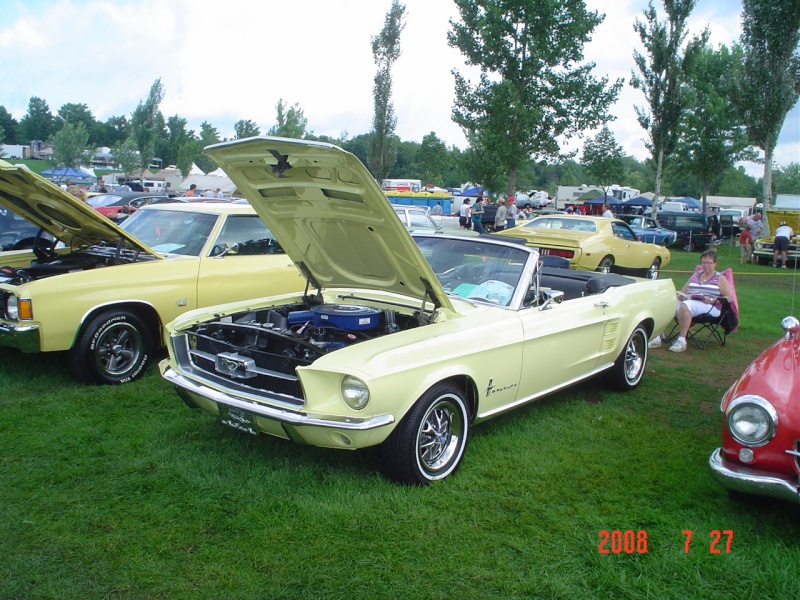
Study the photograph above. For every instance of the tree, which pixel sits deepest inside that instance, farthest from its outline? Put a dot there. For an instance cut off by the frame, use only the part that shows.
(385, 51)
(532, 90)
(126, 156)
(603, 159)
(432, 158)
(78, 113)
(662, 75)
(208, 135)
(787, 179)
(245, 129)
(8, 127)
(115, 129)
(144, 124)
(711, 138)
(70, 146)
(38, 122)
(769, 80)
(177, 136)
(290, 123)
(188, 153)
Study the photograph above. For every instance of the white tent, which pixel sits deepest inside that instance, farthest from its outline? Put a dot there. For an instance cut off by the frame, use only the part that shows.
(208, 182)
(731, 202)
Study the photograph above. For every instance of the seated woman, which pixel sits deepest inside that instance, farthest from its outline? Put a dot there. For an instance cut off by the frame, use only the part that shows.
(699, 296)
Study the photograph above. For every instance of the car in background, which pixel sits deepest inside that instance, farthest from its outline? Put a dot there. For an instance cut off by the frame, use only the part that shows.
(649, 230)
(117, 203)
(592, 244)
(696, 231)
(760, 452)
(398, 341)
(763, 247)
(16, 233)
(416, 218)
(103, 293)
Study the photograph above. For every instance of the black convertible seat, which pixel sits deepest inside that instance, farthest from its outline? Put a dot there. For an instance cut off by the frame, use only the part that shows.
(600, 283)
(576, 284)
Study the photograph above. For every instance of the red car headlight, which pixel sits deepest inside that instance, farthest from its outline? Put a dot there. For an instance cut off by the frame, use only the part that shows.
(751, 420)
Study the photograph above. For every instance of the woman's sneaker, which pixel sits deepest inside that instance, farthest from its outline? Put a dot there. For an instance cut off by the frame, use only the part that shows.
(678, 346)
(655, 343)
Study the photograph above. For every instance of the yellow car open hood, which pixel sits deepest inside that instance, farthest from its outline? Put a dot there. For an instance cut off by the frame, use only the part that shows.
(60, 214)
(329, 215)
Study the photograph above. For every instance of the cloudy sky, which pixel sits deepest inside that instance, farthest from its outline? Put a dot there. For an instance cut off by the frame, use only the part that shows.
(225, 60)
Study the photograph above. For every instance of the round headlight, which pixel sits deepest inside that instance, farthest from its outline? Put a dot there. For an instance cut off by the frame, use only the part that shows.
(752, 421)
(12, 308)
(354, 392)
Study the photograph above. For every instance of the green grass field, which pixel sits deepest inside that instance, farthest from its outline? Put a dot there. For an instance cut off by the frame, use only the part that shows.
(124, 492)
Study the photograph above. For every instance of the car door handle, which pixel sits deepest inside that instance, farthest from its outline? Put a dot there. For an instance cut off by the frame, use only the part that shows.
(601, 304)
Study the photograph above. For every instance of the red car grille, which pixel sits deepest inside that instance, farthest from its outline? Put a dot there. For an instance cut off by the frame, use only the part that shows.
(556, 252)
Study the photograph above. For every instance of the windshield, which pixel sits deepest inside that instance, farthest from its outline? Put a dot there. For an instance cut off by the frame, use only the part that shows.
(557, 222)
(474, 270)
(171, 231)
(104, 200)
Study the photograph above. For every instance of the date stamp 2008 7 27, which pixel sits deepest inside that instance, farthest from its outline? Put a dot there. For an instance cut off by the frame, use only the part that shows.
(636, 542)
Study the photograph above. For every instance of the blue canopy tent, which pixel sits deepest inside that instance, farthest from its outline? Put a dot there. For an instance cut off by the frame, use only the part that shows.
(64, 173)
(638, 201)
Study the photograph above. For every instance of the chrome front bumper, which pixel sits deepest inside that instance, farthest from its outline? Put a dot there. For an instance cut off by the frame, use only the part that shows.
(23, 337)
(752, 481)
(288, 418)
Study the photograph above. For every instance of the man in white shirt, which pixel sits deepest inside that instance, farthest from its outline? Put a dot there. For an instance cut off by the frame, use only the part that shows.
(783, 234)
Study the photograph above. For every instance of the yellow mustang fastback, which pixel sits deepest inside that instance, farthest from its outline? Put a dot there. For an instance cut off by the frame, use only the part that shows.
(104, 292)
(400, 341)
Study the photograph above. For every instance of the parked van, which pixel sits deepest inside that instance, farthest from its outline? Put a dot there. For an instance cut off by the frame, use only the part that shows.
(674, 206)
(695, 230)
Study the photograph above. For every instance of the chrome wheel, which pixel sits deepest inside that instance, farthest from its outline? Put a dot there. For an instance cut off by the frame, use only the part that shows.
(629, 368)
(652, 272)
(440, 436)
(430, 441)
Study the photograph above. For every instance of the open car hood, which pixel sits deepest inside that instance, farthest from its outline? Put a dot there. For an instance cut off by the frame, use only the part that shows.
(60, 214)
(329, 215)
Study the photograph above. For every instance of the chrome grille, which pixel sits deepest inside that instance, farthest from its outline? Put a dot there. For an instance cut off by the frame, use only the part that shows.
(271, 373)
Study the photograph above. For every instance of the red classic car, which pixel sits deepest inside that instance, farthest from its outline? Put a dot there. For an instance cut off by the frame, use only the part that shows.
(760, 451)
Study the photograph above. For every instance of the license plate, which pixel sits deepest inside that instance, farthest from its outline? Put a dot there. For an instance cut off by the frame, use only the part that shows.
(238, 418)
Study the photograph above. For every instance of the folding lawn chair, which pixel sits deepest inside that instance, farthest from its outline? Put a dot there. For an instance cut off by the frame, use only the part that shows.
(704, 328)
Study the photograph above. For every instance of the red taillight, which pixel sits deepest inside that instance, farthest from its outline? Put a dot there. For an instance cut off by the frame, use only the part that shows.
(556, 252)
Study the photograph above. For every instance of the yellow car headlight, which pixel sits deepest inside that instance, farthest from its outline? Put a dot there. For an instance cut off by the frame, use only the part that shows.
(355, 392)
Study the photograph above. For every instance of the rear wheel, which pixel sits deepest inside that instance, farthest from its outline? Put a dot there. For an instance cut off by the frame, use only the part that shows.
(629, 367)
(606, 265)
(430, 441)
(114, 347)
(652, 272)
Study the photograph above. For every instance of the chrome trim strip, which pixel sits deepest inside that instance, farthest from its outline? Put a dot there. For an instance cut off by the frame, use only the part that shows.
(276, 414)
(522, 401)
(752, 481)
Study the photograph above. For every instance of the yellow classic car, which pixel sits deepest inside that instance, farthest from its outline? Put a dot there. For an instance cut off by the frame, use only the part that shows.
(104, 292)
(762, 247)
(592, 244)
(399, 341)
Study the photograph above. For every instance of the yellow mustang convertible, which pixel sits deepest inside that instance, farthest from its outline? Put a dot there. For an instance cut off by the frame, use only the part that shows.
(397, 341)
(104, 293)
(592, 244)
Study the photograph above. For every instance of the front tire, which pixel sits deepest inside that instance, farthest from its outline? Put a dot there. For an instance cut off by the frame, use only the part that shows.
(429, 443)
(114, 348)
(629, 367)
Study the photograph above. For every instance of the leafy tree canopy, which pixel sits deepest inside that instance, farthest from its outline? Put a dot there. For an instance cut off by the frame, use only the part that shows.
(532, 89)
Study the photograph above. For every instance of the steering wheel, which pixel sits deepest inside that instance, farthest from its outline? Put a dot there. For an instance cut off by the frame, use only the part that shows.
(43, 247)
(496, 292)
